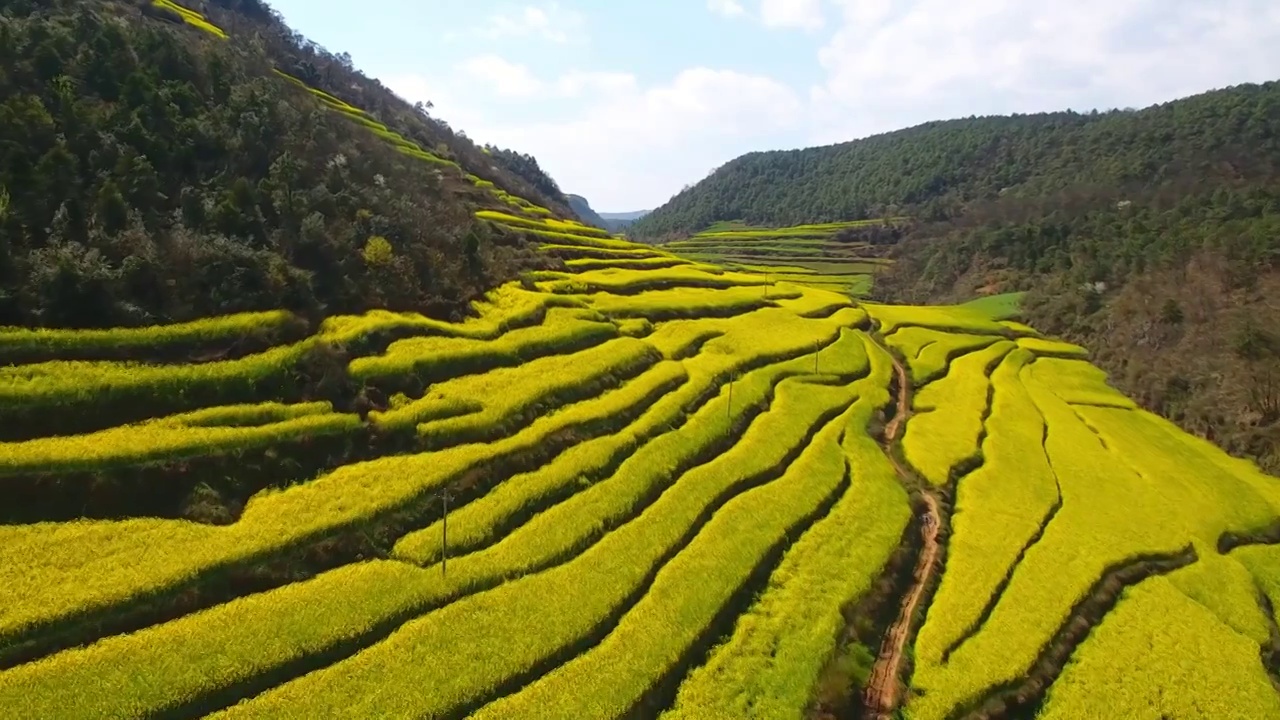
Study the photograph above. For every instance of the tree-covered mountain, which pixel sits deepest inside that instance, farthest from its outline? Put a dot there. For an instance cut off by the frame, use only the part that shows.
(620, 221)
(629, 216)
(934, 170)
(158, 167)
(1152, 237)
(583, 209)
(526, 167)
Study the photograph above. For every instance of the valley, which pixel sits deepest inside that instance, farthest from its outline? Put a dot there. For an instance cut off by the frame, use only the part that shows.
(511, 464)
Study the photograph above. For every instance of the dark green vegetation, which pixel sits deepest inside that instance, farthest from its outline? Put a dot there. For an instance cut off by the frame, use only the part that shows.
(582, 208)
(1152, 237)
(614, 222)
(526, 167)
(154, 172)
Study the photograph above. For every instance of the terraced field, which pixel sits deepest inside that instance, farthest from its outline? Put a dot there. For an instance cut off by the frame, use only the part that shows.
(665, 494)
(827, 256)
(691, 481)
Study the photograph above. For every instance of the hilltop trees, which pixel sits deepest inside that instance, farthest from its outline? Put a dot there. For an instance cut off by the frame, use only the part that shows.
(526, 166)
(937, 170)
(156, 174)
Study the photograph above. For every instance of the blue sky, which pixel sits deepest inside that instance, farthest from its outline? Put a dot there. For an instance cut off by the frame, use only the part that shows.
(625, 102)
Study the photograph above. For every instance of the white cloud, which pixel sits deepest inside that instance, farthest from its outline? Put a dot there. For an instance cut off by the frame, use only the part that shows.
(507, 79)
(600, 84)
(887, 66)
(639, 148)
(883, 65)
(727, 8)
(550, 21)
(803, 14)
(626, 145)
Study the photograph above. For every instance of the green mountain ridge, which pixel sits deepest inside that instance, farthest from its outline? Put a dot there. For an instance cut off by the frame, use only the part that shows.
(632, 215)
(614, 222)
(583, 209)
(938, 167)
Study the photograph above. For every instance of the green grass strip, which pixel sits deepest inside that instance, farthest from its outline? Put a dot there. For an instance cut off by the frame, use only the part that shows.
(1005, 306)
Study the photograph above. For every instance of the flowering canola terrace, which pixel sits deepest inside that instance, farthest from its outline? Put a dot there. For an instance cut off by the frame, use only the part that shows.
(667, 495)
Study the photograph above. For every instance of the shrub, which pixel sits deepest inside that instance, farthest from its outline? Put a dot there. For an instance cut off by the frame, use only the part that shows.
(377, 252)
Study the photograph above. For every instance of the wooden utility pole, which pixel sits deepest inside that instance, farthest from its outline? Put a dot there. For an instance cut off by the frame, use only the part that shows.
(444, 537)
(729, 408)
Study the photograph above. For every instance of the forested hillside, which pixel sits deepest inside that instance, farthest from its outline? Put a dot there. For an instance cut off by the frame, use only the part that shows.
(1152, 237)
(159, 168)
(936, 169)
(526, 167)
(584, 211)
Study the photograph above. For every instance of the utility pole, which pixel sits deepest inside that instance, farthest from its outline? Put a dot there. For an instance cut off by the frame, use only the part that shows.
(729, 409)
(444, 537)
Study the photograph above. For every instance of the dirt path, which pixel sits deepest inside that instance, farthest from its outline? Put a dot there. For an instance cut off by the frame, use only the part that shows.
(904, 404)
(882, 691)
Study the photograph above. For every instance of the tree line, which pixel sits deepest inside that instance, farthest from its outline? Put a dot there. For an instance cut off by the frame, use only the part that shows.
(151, 173)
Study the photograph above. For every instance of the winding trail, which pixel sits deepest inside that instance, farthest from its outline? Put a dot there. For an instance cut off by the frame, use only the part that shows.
(881, 696)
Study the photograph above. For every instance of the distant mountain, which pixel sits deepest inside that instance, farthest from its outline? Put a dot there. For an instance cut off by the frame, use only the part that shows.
(629, 216)
(582, 209)
(613, 222)
(939, 169)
